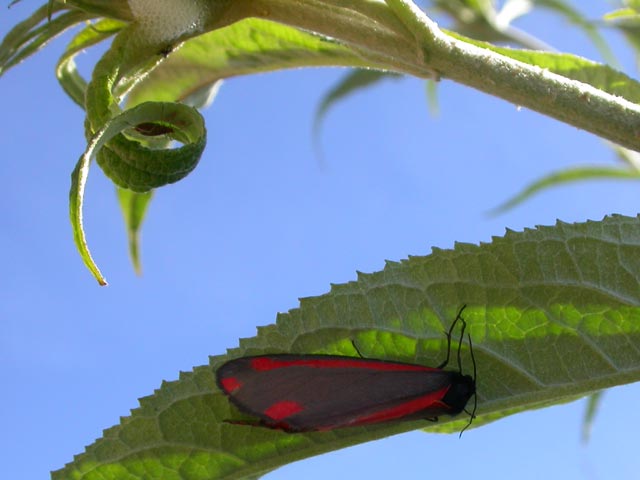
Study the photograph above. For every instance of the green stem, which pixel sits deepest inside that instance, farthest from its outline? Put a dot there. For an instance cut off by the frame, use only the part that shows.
(569, 101)
(398, 36)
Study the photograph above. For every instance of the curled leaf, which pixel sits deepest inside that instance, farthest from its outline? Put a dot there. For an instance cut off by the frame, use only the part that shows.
(130, 164)
(134, 166)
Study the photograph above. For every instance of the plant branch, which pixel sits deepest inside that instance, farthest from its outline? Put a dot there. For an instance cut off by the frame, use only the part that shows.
(567, 100)
(398, 36)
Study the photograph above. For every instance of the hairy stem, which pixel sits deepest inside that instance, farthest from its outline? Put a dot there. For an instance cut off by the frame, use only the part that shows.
(397, 35)
(569, 101)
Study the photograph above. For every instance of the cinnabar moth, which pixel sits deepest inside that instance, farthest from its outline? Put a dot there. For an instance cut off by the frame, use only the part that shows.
(302, 393)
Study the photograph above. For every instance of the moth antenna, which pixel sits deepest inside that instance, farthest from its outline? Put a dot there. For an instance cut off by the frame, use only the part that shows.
(464, 326)
(448, 335)
(355, 347)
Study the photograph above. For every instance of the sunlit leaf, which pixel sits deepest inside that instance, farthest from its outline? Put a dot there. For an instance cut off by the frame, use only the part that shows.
(250, 46)
(554, 314)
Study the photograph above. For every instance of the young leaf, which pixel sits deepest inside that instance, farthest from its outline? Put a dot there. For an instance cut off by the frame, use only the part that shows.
(554, 314)
(351, 83)
(70, 80)
(593, 404)
(588, 27)
(134, 208)
(35, 33)
(250, 46)
(564, 177)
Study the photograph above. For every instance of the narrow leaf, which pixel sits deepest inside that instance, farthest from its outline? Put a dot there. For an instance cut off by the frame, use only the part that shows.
(575, 17)
(34, 33)
(593, 404)
(134, 207)
(563, 177)
(250, 46)
(484, 22)
(351, 83)
(431, 90)
(626, 20)
(71, 81)
(76, 198)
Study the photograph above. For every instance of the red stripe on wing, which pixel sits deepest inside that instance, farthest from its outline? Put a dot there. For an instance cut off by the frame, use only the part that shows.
(262, 364)
(405, 409)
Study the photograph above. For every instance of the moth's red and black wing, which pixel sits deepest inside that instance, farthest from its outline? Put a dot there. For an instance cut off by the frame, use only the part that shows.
(320, 392)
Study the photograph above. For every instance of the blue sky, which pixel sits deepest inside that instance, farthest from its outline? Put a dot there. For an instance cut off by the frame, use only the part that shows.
(259, 224)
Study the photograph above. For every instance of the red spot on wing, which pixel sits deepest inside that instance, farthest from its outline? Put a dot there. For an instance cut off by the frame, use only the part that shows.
(230, 384)
(283, 409)
(273, 363)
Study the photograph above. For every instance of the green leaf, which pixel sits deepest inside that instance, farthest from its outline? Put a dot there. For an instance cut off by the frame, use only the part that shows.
(626, 20)
(115, 9)
(563, 177)
(34, 33)
(622, 14)
(249, 46)
(133, 166)
(577, 18)
(136, 167)
(634, 4)
(482, 21)
(351, 83)
(593, 403)
(147, 163)
(134, 208)
(554, 314)
(468, 9)
(132, 147)
(431, 91)
(71, 81)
